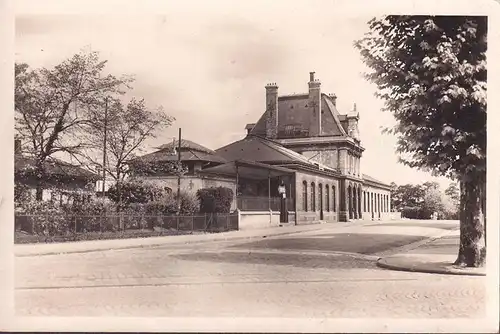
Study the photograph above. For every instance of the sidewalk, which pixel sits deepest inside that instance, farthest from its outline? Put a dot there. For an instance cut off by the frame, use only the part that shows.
(100, 245)
(436, 257)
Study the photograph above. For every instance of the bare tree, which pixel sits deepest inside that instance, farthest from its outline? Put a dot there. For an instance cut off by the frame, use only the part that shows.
(125, 128)
(49, 106)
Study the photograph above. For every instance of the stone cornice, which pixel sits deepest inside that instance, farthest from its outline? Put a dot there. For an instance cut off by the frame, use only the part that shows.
(322, 140)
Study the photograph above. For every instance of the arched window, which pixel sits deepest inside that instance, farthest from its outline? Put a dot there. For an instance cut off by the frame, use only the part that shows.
(313, 197)
(327, 199)
(304, 195)
(334, 198)
(364, 201)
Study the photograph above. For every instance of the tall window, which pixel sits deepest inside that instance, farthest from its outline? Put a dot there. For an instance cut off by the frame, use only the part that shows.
(313, 197)
(364, 201)
(334, 197)
(304, 195)
(327, 199)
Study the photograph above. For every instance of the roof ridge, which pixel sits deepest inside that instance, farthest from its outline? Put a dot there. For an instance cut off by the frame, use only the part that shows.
(372, 179)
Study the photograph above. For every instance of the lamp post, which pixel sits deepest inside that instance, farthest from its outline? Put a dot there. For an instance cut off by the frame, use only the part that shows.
(104, 148)
(284, 211)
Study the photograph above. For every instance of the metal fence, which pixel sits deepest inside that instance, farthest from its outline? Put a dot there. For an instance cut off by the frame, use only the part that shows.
(71, 224)
(257, 203)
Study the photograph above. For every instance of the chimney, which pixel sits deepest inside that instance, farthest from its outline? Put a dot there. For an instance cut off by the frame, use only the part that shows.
(352, 123)
(314, 105)
(17, 146)
(271, 111)
(333, 97)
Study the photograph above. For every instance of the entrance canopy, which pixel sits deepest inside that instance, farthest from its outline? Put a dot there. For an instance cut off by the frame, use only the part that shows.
(248, 170)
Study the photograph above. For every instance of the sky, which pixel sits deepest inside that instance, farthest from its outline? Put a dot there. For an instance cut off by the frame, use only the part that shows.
(208, 67)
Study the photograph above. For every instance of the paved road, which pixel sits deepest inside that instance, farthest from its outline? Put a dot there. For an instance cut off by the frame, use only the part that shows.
(326, 273)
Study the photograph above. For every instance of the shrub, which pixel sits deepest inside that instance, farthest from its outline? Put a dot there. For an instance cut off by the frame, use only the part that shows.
(88, 216)
(189, 203)
(412, 212)
(43, 218)
(134, 191)
(22, 194)
(215, 199)
(167, 205)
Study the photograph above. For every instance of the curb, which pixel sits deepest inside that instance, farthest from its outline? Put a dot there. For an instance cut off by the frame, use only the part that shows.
(416, 244)
(161, 244)
(426, 268)
(317, 226)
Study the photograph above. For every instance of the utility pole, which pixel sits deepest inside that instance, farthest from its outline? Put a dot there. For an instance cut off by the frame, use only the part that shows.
(104, 148)
(179, 173)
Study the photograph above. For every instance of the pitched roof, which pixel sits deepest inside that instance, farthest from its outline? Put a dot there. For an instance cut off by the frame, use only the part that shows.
(190, 155)
(190, 151)
(54, 166)
(293, 110)
(248, 169)
(186, 144)
(256, 148)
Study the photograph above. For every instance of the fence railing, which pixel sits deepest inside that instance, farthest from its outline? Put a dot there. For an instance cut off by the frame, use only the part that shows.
(261, 203)
(71, 224)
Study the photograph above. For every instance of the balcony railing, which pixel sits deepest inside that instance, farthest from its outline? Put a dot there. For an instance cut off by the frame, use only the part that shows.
(293, 134)
(261, 203)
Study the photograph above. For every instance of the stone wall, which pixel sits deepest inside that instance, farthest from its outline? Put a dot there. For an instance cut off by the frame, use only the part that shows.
(327, 157)
(250, 220)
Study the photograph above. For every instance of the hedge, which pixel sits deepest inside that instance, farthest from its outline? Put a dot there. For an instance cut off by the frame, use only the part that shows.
(215, 199)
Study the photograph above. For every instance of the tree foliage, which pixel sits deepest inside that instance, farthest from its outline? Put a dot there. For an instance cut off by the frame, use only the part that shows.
(51, 105)
(430, 72)
(134, 191)
(421, 201)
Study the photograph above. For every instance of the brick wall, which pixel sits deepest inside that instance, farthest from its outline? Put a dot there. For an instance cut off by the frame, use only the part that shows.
(309, 215)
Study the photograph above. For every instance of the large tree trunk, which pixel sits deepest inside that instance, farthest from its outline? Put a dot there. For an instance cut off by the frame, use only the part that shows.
(472, 252)
(40, 176)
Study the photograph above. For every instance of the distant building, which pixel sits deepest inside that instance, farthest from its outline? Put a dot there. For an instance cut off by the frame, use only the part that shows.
(194, 157)
(62, 182)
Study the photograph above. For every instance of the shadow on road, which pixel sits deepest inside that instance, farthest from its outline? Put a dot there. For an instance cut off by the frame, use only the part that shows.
(339, 242)
(303, 261)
